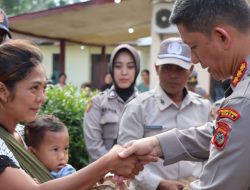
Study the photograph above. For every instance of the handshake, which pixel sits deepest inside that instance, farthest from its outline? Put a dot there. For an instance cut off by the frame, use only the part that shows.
(128, 160)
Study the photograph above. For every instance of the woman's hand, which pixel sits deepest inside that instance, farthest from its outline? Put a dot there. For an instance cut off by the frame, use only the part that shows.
(127, 167)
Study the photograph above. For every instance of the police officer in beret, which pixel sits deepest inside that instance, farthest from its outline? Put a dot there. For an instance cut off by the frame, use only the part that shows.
(170, 105)
(101, 121)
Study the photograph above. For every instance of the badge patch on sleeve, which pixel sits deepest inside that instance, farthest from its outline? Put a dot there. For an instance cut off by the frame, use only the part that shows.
(221, 135)
(89, 105)
(229, 113)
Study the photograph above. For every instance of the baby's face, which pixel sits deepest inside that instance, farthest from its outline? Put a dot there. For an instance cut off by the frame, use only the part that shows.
(53, 151)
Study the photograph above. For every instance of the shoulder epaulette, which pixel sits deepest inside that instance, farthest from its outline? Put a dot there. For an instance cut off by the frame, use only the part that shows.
(195, 94)
(144, 96)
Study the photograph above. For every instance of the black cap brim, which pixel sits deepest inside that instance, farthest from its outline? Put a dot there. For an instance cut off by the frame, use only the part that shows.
(6, 30)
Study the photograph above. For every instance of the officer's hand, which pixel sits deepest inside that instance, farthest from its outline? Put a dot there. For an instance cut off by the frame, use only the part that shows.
(170, 185)
(127, 167)
(142, 147)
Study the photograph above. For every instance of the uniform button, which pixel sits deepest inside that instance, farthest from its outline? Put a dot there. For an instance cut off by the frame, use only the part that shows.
(112, 94)
(162, 101)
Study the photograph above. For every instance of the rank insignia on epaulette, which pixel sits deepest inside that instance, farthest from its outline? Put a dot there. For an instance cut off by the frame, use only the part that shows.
(239, 73)
(89, 105)
(229, 113)
(221, 135)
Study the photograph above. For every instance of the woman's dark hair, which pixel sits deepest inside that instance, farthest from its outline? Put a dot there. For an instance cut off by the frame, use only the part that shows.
(17, 58)
(35, 130)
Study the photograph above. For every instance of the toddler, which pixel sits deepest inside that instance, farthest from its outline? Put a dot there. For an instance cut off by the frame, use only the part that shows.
(48, 139)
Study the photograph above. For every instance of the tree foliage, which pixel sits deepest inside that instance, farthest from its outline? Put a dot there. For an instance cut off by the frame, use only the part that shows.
(69, 105)
(15, 7)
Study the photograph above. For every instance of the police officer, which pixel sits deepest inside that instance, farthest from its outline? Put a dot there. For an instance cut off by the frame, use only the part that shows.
(4, 27)
(167, 106)
(193, 85)
(101, 121)
(218, 33)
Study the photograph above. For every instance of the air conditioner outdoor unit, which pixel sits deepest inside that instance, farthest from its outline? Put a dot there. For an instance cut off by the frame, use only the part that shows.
(161, 14)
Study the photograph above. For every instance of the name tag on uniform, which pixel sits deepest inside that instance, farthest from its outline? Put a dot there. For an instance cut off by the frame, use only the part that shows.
(153, 126)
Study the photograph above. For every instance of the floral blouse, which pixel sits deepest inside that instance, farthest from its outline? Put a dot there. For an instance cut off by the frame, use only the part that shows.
(7, 159)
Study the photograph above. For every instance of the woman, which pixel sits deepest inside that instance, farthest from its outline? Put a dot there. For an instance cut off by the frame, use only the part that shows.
(101, 121)
(22, 84)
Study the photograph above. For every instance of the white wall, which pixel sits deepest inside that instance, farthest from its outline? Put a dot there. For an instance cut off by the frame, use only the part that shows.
(78, 63)
(145, 61)
(48, 52)
(203, 77)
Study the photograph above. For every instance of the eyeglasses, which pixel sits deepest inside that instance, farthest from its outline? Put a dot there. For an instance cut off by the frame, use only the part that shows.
(3, 36)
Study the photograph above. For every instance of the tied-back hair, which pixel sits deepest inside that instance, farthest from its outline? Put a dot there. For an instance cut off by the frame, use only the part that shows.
(35, 130)
(17, 58)
(203, 15)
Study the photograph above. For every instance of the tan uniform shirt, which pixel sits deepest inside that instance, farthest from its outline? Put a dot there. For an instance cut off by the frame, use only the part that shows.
(154, 112)
(101, 122)
(228, 165)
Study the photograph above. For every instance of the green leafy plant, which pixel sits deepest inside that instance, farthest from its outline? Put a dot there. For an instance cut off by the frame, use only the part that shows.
(69, 105)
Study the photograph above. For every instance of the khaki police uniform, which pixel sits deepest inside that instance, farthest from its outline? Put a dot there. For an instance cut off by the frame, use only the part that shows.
(228, 165)
(154, 112)
(101, 122)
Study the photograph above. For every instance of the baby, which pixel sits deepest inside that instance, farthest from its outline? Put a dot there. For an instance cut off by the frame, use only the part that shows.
(48, 139)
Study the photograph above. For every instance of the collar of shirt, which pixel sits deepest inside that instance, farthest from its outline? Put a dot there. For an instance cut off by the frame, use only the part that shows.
(113, 95)
(164, 101)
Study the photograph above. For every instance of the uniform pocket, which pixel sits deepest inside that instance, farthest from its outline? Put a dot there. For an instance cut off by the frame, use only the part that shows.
(109, 117)
(109, 123)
